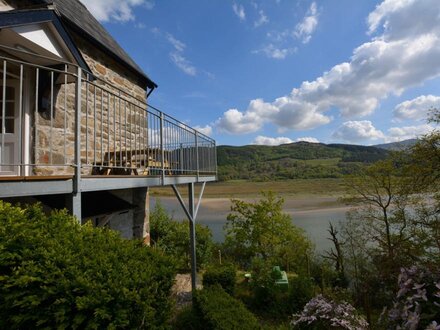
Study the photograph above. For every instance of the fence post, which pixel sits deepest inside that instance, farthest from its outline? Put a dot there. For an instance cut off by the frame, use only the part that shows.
(162, 152)
(197, 154)
(76, 195)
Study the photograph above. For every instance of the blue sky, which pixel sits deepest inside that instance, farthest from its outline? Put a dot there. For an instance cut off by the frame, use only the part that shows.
(279, 71)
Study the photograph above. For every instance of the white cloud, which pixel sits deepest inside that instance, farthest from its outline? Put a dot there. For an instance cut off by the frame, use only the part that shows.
(308, 139)
(270, 141)
(389, 63)
(239, 11)
(262, 19)
(357, 131)
(177, 55)
(305, 28)
(277, 53)
(416, 109)
(177, 44)
(364, 131)
(396, 134)
(207, 130)
(276, 141)
(235, 122)
(182, 63)
(119, 10)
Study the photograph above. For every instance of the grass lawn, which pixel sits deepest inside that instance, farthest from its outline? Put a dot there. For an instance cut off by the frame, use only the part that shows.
(242, 188)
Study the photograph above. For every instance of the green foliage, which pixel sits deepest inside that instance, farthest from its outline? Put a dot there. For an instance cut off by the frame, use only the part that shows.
(301, 290)
(262, 230)
(220, 311)
(223, 275)
(187, 319)
(271, 301)
(300, 160)
(172, 237)
(55, 273)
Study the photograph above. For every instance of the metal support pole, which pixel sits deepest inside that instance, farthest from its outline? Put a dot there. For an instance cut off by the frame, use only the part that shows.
(76, 195)
(192, 236)
(191, 213)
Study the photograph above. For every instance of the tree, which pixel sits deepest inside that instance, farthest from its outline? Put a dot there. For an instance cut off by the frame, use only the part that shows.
(395, 221)
(172, 237)
(262, 230)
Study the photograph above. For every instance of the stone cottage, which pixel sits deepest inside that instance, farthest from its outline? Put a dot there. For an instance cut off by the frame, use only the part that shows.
(76, 130)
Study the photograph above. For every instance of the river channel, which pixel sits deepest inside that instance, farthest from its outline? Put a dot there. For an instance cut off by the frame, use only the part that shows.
(312, 214)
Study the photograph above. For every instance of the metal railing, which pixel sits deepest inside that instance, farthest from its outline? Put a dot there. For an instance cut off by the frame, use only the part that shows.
(58, 119)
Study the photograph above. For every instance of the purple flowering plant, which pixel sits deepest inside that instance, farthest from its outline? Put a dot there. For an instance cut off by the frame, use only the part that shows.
(417, 303)
(323, 313)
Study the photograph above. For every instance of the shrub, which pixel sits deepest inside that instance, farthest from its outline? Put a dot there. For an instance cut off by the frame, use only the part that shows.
(187, 319)
(172, 237)
(417, 303)
(301, 290)
(55, 273)
(220, 311)
(224, 275)
(321, 313)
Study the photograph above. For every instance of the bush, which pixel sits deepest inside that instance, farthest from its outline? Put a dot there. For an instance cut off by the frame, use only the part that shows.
(187, 319)
(321, 313)
(55, 273)
(416, 305)
(224, 275)
(272, 301)
(301, 290)
(220, 311)
(172, 237)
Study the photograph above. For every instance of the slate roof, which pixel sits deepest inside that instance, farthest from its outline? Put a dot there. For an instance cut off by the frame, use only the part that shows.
(76, 15)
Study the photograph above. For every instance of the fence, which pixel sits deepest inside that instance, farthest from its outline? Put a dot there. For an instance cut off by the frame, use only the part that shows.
(57, 118)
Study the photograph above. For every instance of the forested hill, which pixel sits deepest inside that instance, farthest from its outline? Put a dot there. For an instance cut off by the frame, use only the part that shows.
(300, 160)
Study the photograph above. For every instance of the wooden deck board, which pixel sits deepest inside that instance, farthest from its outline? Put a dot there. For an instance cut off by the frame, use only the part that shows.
(36, 178)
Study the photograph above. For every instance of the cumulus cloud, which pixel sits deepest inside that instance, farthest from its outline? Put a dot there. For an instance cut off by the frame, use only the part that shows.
(274, 52)
(262, 19)
(305, 28)
(119, 10)
(271, 141)
(207, 130)
(364, 131)
(239, 11)
(357, 131)
(416, 109)
(396, 134)
(404, 54)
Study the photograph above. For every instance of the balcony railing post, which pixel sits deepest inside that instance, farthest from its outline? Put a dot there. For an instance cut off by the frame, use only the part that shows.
(197, 153)
(162, 152)
(76, 196)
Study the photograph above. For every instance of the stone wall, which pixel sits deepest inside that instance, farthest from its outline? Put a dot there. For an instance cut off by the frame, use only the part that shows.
(113, 121)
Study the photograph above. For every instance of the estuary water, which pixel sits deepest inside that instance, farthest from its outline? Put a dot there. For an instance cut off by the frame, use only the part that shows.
(312, 214)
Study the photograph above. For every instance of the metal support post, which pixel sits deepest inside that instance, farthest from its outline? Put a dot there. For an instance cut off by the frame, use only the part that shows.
(191, 213)
(192, 236)
(76, 195)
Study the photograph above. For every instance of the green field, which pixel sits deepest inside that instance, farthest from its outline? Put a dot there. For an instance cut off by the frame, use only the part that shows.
(241, 188)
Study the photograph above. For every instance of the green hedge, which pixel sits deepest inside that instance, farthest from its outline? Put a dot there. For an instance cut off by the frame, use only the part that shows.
(55, 273)
(220, 311)
(224, 275)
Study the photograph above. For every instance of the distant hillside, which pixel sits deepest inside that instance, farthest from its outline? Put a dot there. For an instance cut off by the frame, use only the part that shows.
(397, 145)
(300, 160)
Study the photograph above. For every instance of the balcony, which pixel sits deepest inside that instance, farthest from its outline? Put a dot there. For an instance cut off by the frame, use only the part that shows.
(64, 130)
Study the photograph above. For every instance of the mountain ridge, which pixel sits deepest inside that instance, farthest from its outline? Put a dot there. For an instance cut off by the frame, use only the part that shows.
(297, 160)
